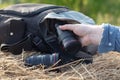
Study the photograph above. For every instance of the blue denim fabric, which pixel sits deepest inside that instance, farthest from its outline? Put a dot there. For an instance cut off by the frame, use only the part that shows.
(110, 40)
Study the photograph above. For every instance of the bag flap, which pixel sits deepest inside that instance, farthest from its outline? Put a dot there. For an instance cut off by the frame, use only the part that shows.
(70, 16)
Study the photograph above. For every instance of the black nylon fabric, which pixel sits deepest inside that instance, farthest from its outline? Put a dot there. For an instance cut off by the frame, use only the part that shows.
(28, 10)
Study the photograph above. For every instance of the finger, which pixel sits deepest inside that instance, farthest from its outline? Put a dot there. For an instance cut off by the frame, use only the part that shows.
(67, 27)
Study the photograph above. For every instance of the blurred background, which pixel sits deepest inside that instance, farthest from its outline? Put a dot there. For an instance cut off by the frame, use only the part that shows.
(102, 11)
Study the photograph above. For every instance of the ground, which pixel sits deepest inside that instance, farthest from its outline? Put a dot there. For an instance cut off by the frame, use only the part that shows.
(104, 67)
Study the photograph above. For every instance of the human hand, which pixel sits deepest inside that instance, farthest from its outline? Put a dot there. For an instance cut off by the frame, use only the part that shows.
(88, 34)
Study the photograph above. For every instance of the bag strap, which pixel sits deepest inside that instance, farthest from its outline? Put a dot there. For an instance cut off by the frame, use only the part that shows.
(17, 47)
(27, 44)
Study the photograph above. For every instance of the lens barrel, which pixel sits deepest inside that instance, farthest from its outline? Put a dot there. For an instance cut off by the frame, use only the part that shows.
(44, 59)
(69, 42)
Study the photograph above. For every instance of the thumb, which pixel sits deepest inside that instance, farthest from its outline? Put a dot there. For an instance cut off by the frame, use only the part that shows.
(67, 27)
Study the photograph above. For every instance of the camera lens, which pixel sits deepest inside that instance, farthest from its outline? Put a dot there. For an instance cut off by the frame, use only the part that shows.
(69, 42)
(44, 59)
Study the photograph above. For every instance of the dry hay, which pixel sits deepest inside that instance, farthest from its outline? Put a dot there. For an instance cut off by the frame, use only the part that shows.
(104, 67)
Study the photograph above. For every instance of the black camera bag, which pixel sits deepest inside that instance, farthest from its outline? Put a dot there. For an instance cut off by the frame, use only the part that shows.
(22, 28)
